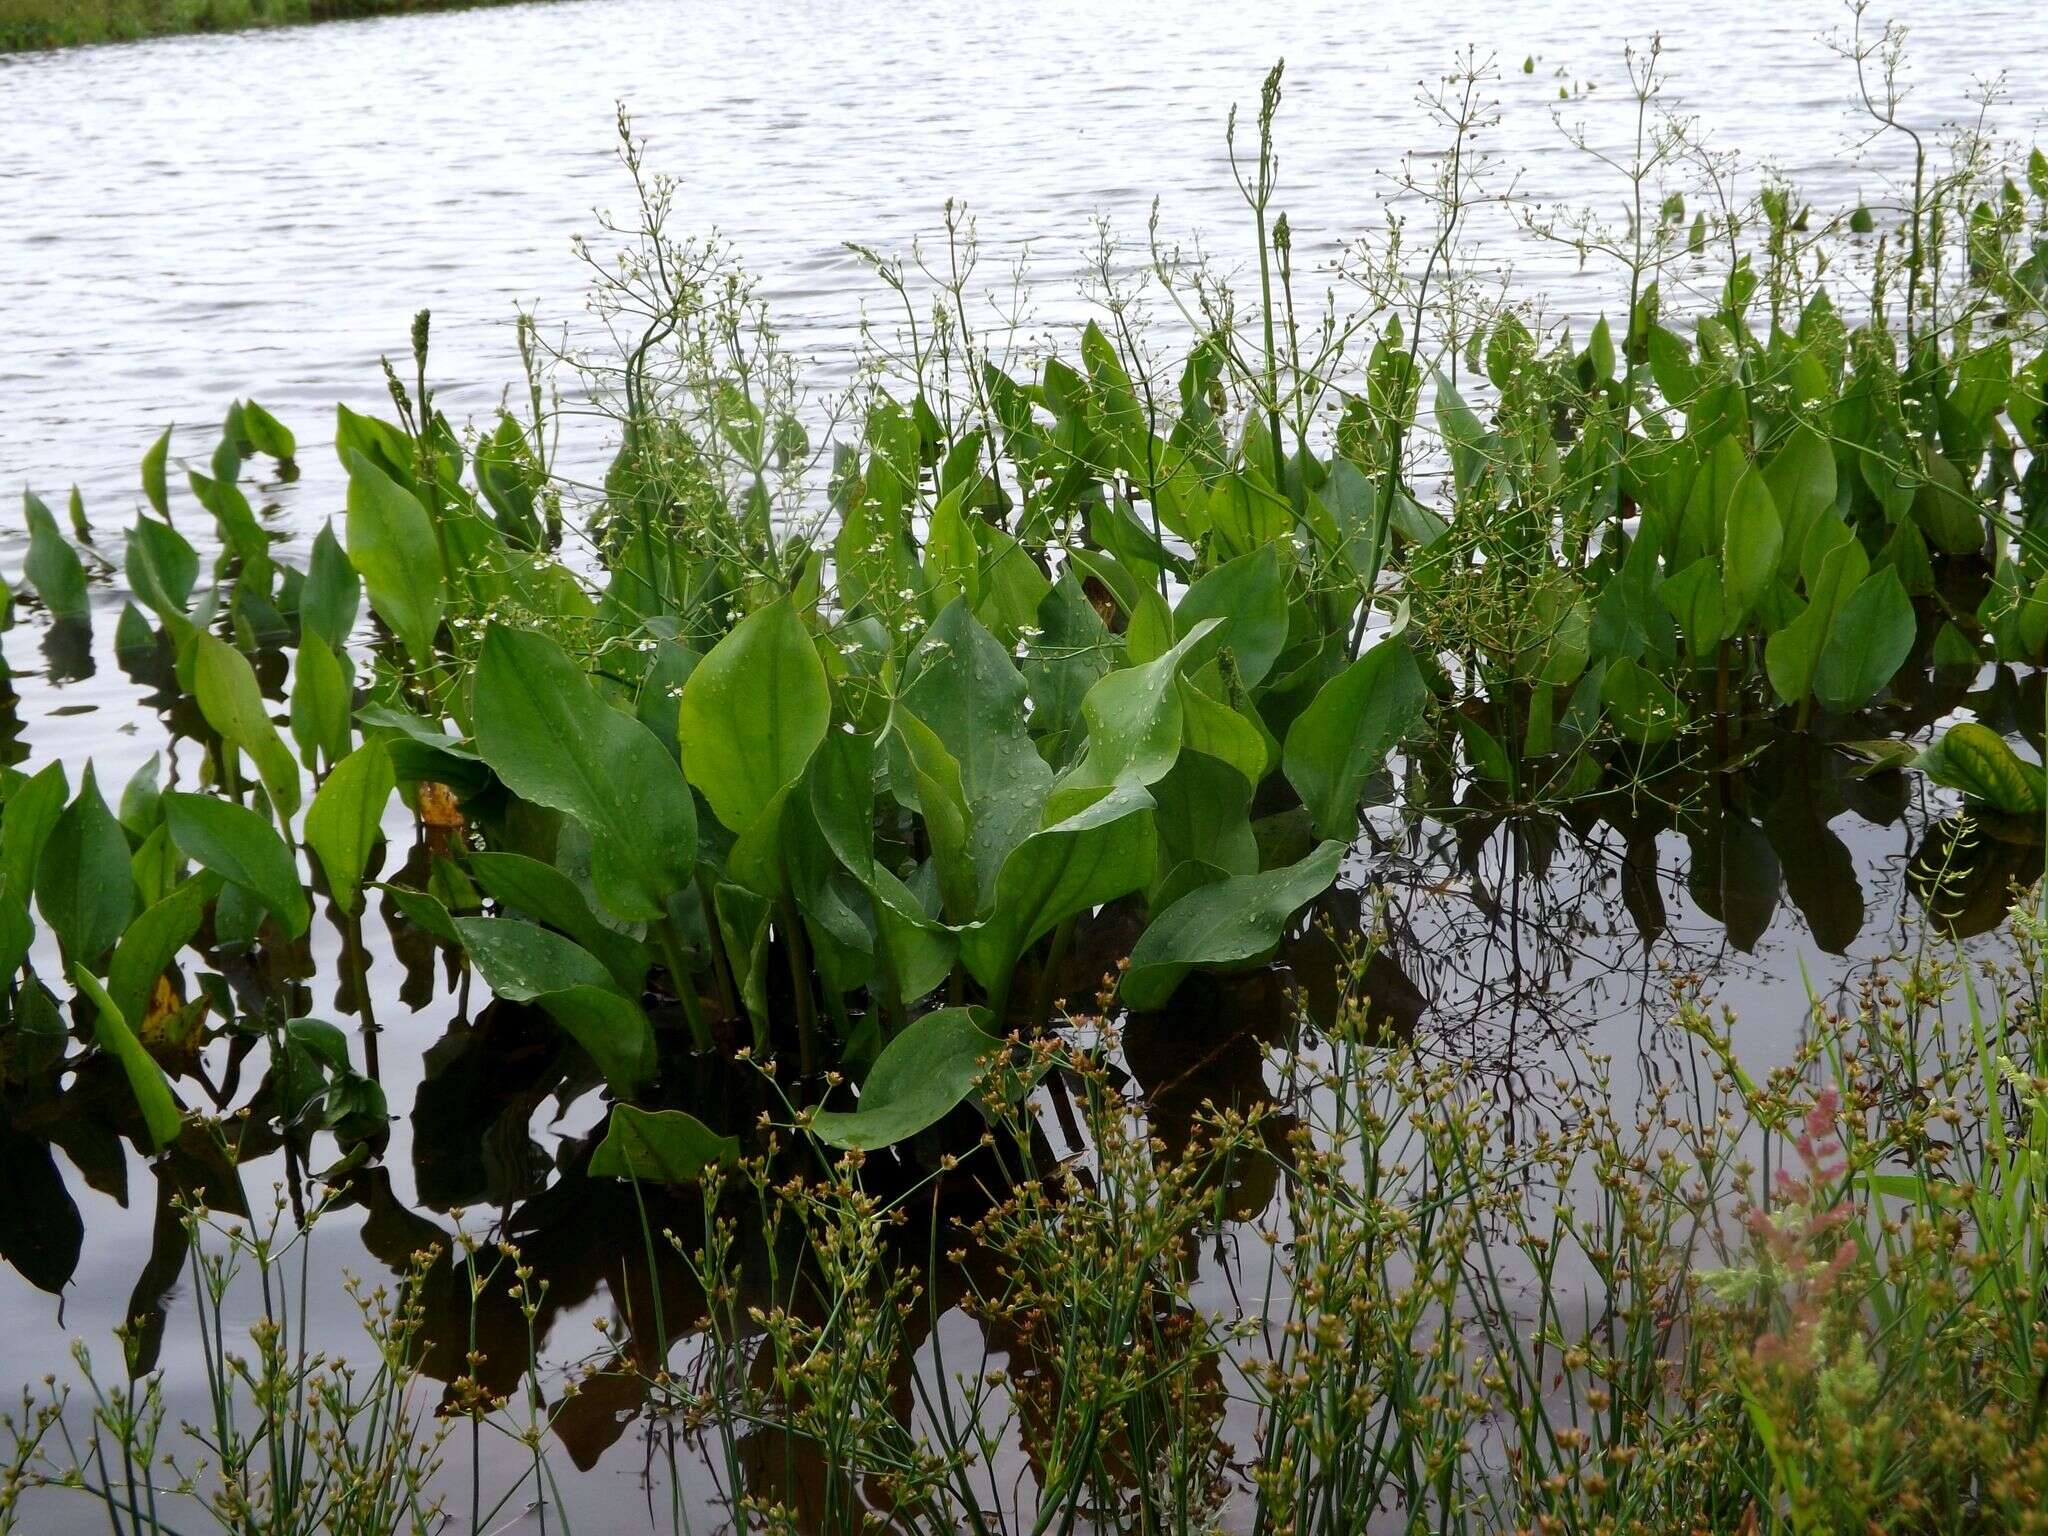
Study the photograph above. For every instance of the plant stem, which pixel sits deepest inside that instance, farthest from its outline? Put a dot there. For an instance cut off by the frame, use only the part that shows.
(721, 963)
(1048, 978)
(681, 981)
(797, 950)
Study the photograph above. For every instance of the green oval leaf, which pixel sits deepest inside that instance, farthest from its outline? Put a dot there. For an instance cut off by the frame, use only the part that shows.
(1348, 729)
(547, 734)
(84, 886)
(52, 566)
(1222, 923)
(1869, 643)
(225, 685)
(915, 1083)
(1135, 719)
(1100, 852)
(522, 961)
(753, 712)
(152, 1090)
(391, 542)
(658, 1146)
(612, 1030)
(1975, 759)
(346, 819)
(244, 850)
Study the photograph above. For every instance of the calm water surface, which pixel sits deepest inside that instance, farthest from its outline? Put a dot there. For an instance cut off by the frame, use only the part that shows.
(197, 219)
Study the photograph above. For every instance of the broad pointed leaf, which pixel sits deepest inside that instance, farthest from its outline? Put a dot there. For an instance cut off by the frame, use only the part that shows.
(658, 1146)
(347, 817)
(1230, 921)
(1348, 729)
(244, 850)
(915, 1083)
(547, 734)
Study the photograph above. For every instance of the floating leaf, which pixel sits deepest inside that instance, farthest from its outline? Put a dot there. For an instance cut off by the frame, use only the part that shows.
(1975, 759)
(660, 1146)
(1229, 921)
(919, 1078)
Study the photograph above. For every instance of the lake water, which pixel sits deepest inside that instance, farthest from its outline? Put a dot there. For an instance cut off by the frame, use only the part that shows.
(196, 219)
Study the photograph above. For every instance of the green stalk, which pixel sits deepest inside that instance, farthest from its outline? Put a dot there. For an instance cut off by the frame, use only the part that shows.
(679, 975)
(721, 963)
(798, 953)
(892, 987)
(357, 976)
(1042, 997)
(1721, 701)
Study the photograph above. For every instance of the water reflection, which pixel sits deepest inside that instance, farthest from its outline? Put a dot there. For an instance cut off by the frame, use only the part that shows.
(1508, 934)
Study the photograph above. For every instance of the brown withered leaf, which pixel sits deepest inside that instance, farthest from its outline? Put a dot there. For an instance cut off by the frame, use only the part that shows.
(437, 806)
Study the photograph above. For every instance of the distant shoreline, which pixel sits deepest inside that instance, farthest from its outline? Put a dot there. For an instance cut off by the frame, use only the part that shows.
(28, 26)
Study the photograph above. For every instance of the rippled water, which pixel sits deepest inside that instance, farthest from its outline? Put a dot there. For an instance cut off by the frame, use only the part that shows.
(199, 218)
(186, 221)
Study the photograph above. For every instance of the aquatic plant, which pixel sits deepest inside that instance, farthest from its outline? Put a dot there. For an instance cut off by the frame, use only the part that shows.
(1791, 1302)
(846, 740)
(836, 773)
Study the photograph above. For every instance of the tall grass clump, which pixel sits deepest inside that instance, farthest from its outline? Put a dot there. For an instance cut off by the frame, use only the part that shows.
(1798, 1302)
(1802, 1302)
